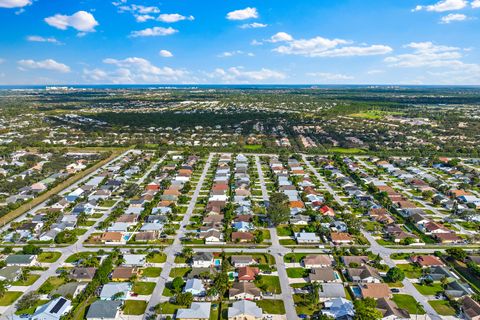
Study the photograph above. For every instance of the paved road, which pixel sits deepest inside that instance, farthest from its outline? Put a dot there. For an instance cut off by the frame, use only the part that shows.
(278, 252)
(176, 247)
(64, 191)
(408, 287)
(323, 182)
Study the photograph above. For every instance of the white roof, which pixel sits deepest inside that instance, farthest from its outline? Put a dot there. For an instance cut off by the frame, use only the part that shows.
(198, 310)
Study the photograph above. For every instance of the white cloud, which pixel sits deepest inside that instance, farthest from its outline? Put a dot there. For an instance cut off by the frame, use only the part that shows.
(243, 14)
(227, 54)
(453, 17)
(81, 21)
(133, 70)
(48, 64)
(375, 71)
(153, 32)
(476, 4)
(14, 3)
(443, 5)
(173, 17)
(42, 39)
(329, 76)
(139, 9)
(281, 36)
(323, 47)
(443, 63)
(426, 54)
(255, 25)
(165, 54)
(239, 75)
(143, 17)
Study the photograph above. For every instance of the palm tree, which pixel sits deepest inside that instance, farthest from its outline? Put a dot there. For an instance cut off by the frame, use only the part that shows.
(3, 288)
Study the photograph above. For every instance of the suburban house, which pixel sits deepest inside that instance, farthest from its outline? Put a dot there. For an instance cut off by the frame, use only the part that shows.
(21, 260)
(202, 260)
(244, 290)
(104, 310)
(244, 310)
(52, 310)
(317, 261)
(365, 274)
(197, 311)
(339, 308)
(242, 261)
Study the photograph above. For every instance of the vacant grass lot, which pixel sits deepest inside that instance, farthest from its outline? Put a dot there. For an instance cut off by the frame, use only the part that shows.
(269, 284)
(151, 272)
(144, 288)
(442, 307)
(272, 306)
(134, 307)
(9, 297)
(407, 302)
(430, 290)
(49, 257)
(411, 271)
(31, 278)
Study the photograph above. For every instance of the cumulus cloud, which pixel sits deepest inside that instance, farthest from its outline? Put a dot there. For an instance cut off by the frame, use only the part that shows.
(323, 47)
(443, 63)
(173, 17)
(243, 14)
(240, 75)
(443, 5)
(42, 39)
(476, 4)
(281, 36)
(227, 54)
(452, 17)
(255, 25)
(133, 70)
(153, 32)
(165, 54)
(14, 3)
(48, 64)
(81, 21)
(143, 17)
(137, 9)
(329, 76)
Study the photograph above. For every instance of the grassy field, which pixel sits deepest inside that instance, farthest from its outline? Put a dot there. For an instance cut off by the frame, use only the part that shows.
(411, 271)
(27, 282)
(179, 272)
(442, 307)
(269, 283)
(47, 195)
(430, 290)
(151, 272)
(297, 272)
(157, 258)
(49, 257)
(31, 310)
(170, 308)
(407, 302)
(10, 297)
(144, 288)
(134, 307)
(346, 150)
(373, 114)
(272, 306)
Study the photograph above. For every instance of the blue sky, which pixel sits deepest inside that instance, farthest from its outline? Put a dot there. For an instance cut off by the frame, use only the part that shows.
(225, 41)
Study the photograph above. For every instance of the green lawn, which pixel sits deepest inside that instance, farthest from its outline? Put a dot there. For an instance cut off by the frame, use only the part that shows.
(179, 272)
(297, 272)
(51, 284)
(302, 306)
(407, 302)
(27, 282)
(144, 288)
(10, 297)
(284, 231)
(31, 310)
(346, 150)
(157, 258)
(442, 307)
(271, 306)
(269, 283)
(79, 255)
(430, 290)
(134, 307)
(151, 272)
(49, 257)
(411, 271)
(170, 308)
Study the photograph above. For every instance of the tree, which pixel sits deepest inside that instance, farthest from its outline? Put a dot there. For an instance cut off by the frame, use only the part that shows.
(3, 288)
(395, 274)
(365, 309)
(187, 252)
(278, 211)
(177, 284)
(27, 301)
(456, 253)
(31, 249)
(184, 299)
